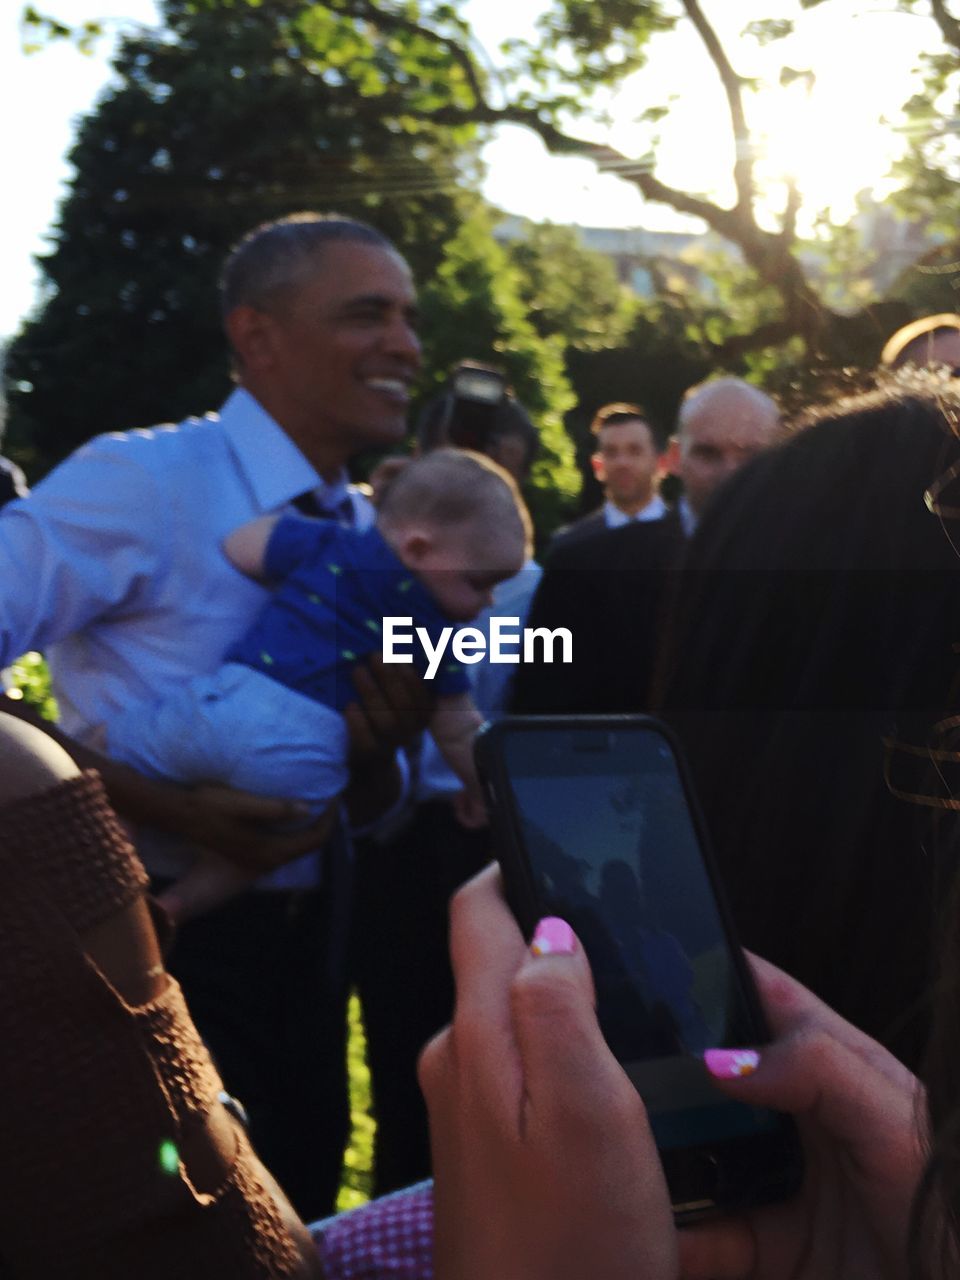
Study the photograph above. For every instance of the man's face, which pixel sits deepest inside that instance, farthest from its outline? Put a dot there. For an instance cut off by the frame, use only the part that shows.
(342, 352)
(625, 464)
(716, 440)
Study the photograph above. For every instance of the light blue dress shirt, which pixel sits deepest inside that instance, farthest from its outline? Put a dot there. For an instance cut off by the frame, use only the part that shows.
(113, 565)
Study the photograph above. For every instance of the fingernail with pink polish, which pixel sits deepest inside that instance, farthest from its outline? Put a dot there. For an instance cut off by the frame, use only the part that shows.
(553, 937)
(727, 1064)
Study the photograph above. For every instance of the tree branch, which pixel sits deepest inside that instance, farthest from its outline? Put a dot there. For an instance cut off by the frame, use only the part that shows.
(772, 334)
(788, 230)
(377, 17)
(732, 87)
(768, 253)
(948, 24)
(726, 222)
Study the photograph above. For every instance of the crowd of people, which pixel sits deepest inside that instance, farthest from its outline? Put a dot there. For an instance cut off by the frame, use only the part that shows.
(296, 816)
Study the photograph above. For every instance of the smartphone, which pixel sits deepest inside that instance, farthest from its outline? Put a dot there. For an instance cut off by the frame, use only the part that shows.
(594, 821)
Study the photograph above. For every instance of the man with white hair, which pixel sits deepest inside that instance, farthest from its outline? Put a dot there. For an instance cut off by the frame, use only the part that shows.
(722, 424)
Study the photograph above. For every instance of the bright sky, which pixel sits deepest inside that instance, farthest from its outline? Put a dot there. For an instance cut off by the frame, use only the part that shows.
(832, 139)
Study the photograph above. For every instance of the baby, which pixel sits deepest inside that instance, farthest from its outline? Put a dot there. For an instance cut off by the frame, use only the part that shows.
(270, 720)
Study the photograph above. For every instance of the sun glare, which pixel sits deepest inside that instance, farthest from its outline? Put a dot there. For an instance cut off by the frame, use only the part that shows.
(824, 130)
(826, 139)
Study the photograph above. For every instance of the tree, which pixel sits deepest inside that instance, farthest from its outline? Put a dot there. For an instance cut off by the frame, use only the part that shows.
(229, 115)
(473, 309)
(551, 86)
(570, 291)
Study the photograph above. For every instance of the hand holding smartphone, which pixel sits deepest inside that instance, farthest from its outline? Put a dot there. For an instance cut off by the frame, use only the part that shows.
(594, 822)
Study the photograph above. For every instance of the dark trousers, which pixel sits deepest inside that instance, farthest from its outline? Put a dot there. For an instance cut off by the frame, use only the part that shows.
(401, 968)
(265, 980)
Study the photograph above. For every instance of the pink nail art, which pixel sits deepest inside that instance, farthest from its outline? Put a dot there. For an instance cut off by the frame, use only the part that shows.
(727, 1064)
(553, 936)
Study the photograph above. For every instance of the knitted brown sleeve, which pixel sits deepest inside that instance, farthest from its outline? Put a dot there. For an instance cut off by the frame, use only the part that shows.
(70, 842)
(98, 1099)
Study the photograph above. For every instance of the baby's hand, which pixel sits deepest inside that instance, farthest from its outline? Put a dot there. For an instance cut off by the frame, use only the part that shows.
(211, 881)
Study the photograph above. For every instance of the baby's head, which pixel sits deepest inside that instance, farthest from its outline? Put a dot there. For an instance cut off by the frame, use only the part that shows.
(458, 521)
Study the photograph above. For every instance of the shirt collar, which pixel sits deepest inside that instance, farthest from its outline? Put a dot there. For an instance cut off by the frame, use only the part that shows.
(655, 509)
(272, 465)
(688, 520)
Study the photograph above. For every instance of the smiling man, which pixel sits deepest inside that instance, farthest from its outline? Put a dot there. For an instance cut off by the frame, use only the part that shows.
(114, 567)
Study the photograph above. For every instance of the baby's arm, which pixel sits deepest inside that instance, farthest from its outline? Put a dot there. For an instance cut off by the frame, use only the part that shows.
(211, 881)
(246, 547)
(454, 725)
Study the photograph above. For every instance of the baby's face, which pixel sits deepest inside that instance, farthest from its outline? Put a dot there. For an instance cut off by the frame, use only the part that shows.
(464, 564)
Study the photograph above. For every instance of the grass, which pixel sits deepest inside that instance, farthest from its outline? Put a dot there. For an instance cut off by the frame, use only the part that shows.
(29, 676)
(357, 1176)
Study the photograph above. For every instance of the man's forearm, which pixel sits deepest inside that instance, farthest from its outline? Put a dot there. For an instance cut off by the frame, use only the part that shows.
(250, 830)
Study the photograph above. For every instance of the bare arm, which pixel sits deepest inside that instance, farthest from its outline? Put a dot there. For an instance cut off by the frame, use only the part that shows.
(240, 826)
(454, 725)
(246, 547)
(122, 943)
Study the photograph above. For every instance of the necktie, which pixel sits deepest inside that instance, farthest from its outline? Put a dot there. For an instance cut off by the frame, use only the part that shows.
(309, 504)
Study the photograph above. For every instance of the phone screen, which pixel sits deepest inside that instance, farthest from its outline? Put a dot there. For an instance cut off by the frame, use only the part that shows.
(613, 849)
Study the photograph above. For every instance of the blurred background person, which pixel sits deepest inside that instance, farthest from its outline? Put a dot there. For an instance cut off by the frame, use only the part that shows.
(611, 590)
(929, 341)
(722, 423)
(625, 463)
(400, 954)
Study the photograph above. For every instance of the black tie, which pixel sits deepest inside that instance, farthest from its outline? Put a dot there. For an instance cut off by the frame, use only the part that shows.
(308, 504)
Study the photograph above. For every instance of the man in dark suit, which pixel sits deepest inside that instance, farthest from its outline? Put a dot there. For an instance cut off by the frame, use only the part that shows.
(609, 591)
(625, 462)
(612, 590)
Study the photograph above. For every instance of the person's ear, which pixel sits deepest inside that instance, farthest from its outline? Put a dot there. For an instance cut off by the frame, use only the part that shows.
(251, 334)
(670, 458)
(599, 470)
(413, 546)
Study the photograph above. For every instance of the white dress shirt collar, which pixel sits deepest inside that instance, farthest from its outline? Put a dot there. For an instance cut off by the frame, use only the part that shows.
(614, 518)
(269, 461)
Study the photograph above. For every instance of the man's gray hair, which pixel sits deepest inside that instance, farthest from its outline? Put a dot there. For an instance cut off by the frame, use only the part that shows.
(277, 255)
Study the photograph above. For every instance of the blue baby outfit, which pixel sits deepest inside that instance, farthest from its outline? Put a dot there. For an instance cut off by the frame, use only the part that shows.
(335, 587)
(269, 720)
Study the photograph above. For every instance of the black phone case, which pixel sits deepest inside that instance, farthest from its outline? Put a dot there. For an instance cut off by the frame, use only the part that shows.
(704, 1180)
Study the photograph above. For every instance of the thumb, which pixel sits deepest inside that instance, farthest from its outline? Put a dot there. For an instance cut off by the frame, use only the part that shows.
(813, 1076)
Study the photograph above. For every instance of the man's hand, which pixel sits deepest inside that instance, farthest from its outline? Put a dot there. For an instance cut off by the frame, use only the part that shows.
(247, 829)
(394, 705)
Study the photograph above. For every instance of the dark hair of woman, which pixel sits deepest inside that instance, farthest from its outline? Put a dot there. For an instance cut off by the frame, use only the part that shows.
(812, 662)
(934, 1244)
